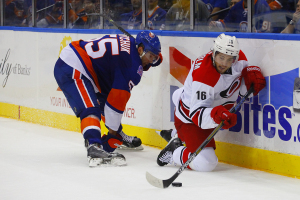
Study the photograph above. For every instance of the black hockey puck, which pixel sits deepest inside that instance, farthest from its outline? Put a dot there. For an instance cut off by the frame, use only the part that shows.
(176, 184)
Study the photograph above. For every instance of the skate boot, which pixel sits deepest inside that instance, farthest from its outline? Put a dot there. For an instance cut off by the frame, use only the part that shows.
(166, 155)
(130, 142)
(97, 156)
(166, 134)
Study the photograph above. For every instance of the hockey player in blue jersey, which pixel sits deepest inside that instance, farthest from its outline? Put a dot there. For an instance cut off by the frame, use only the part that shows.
(97, 76)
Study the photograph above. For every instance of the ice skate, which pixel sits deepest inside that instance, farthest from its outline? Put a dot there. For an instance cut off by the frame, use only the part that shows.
(165, 134)
(166, 155)
(130, 142)
(97, 156)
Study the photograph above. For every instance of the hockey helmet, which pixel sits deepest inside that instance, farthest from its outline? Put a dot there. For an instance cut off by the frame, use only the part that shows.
(227, 45)
(151, 44)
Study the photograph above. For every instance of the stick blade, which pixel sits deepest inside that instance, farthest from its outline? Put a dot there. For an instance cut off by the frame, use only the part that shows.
(154, 181)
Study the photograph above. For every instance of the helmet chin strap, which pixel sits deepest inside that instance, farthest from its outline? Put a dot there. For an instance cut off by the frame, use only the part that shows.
(142, 54)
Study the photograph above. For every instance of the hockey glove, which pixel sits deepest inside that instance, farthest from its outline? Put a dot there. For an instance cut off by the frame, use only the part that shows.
(253, 75)
(220, 113)
(111, 142)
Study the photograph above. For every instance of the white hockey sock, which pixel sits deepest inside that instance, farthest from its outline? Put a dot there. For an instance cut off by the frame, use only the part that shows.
(205, 161)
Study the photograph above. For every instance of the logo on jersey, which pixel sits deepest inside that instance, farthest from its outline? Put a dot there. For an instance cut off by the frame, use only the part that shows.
(232, 88)
(151, 35)
(140, 70)
(243, 26)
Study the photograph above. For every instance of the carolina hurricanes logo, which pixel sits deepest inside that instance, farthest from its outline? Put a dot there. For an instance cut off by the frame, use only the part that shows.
(151, 35)
(232, 88)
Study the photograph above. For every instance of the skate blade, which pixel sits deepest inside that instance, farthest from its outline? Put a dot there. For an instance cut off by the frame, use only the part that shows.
(118, 162)
(94, 162)
(123, 147)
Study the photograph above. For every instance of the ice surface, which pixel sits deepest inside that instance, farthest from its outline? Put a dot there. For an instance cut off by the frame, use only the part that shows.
(40, 163)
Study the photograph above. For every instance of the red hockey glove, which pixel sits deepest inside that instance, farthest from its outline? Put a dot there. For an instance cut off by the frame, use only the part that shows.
(253, 75)
(220, 113)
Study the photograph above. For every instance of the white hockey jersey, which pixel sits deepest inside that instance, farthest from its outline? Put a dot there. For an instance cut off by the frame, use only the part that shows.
(205, 88)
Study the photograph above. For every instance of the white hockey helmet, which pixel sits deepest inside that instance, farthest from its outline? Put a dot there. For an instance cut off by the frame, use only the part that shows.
(227, 45)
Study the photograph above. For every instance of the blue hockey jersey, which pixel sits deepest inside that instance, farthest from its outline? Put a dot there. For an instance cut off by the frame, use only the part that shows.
(113, 66)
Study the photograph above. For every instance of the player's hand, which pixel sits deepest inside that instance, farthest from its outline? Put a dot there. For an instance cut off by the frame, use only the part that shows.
(296, 16)
(220, 113)
(253, 75)
(212, 24)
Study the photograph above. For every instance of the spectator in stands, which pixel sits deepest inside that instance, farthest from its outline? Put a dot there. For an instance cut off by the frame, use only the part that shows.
(14, 13)
(156, 15)
(42, 8)
(166, 4)
(133, 19)
(294, 25)
(214, 6)
(53, 18)
(233, 2)
(178, 17)
(90, 10)
(236, 20)
(77, 14)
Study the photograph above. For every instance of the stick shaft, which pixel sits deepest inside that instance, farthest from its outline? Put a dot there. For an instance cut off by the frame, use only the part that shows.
(116, 25)
(218, 12)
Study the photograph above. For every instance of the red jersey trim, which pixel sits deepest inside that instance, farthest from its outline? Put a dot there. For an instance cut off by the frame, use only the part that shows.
(206, 72)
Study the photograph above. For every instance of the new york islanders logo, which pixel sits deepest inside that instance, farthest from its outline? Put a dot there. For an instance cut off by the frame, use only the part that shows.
(152, 35)
(140, 70)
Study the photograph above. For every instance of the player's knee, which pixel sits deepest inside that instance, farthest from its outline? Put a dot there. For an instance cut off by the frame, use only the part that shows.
(205, 161)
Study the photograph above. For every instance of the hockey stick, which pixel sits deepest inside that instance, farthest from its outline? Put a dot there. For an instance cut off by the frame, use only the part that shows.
(114, 23)
(166, 183)
(218, 12)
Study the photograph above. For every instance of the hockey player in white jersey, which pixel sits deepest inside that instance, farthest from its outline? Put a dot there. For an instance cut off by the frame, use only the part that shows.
(211, 88)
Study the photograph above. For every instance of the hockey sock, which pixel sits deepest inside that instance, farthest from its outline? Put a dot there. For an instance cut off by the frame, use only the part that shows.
(181, 155)
(205, 161)
(90, 129)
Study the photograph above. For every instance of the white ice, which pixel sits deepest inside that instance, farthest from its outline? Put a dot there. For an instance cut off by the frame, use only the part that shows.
(40, 163)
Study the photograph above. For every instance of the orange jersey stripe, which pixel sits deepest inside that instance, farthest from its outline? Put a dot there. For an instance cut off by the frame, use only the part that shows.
(118, 98)
(89, 121)
(153, 11)
(87, 61)
(82, 90)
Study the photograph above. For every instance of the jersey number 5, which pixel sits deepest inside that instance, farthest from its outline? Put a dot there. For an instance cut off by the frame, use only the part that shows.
(102, 47)
(201, 95)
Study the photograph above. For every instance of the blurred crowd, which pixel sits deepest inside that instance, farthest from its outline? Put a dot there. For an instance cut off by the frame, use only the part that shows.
(270, 16)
